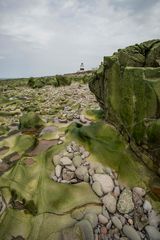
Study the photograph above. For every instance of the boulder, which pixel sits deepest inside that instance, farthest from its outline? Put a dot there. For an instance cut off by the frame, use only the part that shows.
(127, 87)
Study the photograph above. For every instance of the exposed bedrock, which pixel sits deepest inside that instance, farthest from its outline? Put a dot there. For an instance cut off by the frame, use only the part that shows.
(127, 87)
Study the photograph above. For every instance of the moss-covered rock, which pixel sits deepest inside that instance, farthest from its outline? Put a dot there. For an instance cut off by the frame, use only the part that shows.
(30, 120)
(127, 86)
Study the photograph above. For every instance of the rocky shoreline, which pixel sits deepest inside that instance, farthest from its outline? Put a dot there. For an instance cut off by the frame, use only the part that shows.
(125, 214)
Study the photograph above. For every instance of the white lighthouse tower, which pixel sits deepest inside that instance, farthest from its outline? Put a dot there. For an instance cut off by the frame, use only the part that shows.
(82, 67)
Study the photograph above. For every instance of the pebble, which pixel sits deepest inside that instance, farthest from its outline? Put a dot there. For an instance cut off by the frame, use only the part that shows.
(140, 191)
(56, 159)
(125, 202)
(58, 170)
(85, 155)
(147, 206)
(116, 222)
(81, 172)
(96, 186)
(82, 119)
(152, 232)
(109, 202)
(116, 191)
(105, 212)
(70, 167)
(102, 219)
(77, 160)
(106, 182)
(131, 233)
(154, 219)
(67, 175)
(103, 230)
(65, 161)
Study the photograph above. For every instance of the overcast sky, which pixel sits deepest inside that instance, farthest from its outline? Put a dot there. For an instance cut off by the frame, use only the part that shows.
(47, 37)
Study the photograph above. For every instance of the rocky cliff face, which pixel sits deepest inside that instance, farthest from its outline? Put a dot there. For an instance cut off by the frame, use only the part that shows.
(127, 86)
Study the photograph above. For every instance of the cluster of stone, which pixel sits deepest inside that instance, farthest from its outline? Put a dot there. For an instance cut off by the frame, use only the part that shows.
(125, 214)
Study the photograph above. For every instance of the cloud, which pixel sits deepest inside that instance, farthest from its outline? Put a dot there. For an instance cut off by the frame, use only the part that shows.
(53, 36)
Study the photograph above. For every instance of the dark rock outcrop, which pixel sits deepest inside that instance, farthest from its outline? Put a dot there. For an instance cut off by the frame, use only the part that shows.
(127, 86)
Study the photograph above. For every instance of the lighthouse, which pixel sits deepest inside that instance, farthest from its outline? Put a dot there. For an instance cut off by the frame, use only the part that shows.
(81, 67)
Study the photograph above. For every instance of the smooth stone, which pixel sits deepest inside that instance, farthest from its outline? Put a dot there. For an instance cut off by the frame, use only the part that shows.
(77, 160)
(65, 161)
(96, 186)
(147, 206)
(140, 191)
(131, 233)
(58, 170)
(81, 150)
(99, 170)
(92, 218)
(154, 219)
(106, 182)
(116, 191)
(56, 159)
(103, 230)
(110, 202)
(109, 224)
(152, 232)
(67, 175)
(81, 172)
(125, 202)
(116, 222)
(69, 155)
(85, 155)
(102, 219)
(70, 167)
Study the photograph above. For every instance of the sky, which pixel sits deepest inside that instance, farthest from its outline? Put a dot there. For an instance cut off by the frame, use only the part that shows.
(48, 37)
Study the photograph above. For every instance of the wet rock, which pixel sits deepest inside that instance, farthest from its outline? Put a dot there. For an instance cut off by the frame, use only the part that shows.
(109, 202)
(96, 186)
(131, 233)
(125, 202)
(152, 232)
(117, 223)
(106, 182)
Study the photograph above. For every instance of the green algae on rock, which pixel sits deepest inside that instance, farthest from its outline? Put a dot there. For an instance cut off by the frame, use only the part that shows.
(30, 120)
(127, 87)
